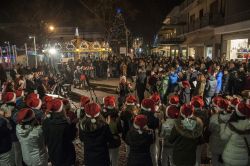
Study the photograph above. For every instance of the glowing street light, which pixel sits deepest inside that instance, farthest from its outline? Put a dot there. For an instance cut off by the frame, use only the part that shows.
(51, 28)
(52, 51)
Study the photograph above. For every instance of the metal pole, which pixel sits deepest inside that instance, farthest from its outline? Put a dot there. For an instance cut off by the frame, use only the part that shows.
(26, 52)
(34, 37)
(13, 51)
(126, 41)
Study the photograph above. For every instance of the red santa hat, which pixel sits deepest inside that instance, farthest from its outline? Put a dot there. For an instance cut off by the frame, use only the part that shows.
(25, 115)
(109, 102)
(34, 103)
(184, 84)
(187, 111)
(19, 93)
(140, 122)
(243, 109)
(33, 95)
(9, 97)
(84, 100)
(131, 100)
(56, 105)
(222, 105)
(234, 102)
(148, 105)
(156, 98)
(197, 102)
(172, 112)
(92, 110)
(47, 99)
(215, 100)
(174, 100)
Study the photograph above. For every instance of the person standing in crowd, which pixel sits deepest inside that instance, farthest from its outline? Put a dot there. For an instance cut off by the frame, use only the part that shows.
(110, 113)
(210, 89)
(95, 133)
(171, 114)
(59, 135)
(184, 92)
(3, 76)
(6, 157)
(30, 135)
(30, 84)
(139, 139)
(186, 136)
(225, 82)
(9, 109)
(141, 83)
(148, 109)
(221, 116)
(200, 87)
(219, 77)
(123, 90)
(236, 135)
(173, 78)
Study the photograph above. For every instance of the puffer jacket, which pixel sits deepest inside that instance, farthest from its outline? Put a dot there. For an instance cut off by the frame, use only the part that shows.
(236, 152)
(216, 144)
(185, 137)
(166, 129)
(32, 145)
(211, 86)
(219, 77)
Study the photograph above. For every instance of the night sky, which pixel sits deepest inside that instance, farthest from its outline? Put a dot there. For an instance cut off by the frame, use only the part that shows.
(143, 17)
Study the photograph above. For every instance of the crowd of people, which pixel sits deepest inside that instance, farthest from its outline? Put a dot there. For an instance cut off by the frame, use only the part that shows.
(179, 113)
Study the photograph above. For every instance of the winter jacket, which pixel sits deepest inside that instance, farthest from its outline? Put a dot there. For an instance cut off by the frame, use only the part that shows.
(126, 120)
(163, 87)
(247, 83)
(200, 88)
(30, 86)
(32, 144)
(236, 152)
(219, 77)
(96, 145)
(166, 129)
(139, 153)
(173, 78)
(59, 135)
(210, 88)
(5, 138)
(114, 125)
(186, 136)
(216, 144)
(225, 84)
(185, 95)
(153, 122)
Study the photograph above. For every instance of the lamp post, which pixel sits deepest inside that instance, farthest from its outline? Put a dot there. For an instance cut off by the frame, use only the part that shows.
(34, 40)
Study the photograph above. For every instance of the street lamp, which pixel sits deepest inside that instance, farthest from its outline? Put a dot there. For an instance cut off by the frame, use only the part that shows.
(34, 40)
(51, 28)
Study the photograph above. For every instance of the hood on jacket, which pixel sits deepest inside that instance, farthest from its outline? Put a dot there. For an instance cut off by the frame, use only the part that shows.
(190, 128)
(24, 131)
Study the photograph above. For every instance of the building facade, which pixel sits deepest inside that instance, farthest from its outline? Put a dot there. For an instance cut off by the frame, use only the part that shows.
(210, 29)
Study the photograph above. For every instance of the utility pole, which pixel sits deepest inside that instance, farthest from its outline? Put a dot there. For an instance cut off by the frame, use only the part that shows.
(26, 52)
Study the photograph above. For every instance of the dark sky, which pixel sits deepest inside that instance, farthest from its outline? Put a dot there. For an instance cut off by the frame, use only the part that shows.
(150, 16)
(143, 17)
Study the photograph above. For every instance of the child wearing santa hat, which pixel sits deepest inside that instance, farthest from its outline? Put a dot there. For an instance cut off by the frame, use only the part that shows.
(139, 139)
(222, 116)
(95, 133)
(237, 137)
(9, 111)
(59, 135)
(30, 135)
(110, 113)
(172, 113)
(186, 136)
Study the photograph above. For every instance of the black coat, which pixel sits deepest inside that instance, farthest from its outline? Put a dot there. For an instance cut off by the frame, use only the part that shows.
(96, 151)
(30, 86)
(59, 135)
(139, 153)
(5, 138)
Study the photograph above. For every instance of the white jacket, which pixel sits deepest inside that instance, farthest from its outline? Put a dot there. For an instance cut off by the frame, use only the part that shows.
(166, 129)
(235, 152)
(216, 144)
(32, 145)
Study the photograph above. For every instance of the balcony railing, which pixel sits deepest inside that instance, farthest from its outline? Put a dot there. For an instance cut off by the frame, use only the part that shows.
(175, 40)
(207, 20)
(185, 4)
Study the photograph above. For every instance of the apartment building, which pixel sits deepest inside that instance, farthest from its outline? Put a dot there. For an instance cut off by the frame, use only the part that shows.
(209, 28)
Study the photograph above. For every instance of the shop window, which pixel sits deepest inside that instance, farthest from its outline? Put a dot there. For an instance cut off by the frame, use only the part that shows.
(238, 48)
